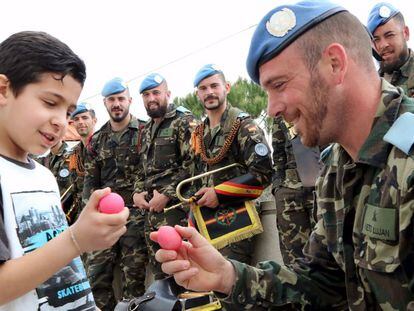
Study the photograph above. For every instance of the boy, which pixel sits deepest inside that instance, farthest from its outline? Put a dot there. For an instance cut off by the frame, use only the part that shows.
(40, 82)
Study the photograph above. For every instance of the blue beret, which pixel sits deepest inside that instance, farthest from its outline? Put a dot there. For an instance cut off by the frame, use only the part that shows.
(205, 72)
(114, 86)
(380, 14)
(80, 108)
(283, 25)
(151, 81)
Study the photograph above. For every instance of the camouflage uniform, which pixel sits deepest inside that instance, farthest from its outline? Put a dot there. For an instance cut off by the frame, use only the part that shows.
(77, 169)
(242, 150)
(165, 161)
(361, 251)
(112, 161)
(58, 164)
(403, 77)
(294, 202)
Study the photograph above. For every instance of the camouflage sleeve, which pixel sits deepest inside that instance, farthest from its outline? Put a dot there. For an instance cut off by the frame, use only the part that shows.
(271, 284)
(279, 153)
(91, 180)
(140, 175)
(185, 126)
(257, 160)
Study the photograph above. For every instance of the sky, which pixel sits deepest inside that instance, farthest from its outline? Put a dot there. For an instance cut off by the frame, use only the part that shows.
(132, 38)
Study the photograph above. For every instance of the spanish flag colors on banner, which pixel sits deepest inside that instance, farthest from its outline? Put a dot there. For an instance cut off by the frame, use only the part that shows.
(235, 219)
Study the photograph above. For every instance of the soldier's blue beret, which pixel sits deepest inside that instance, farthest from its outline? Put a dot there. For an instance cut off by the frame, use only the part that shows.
(80, 108)
(114, 86)
(283, 25)
(151, 81)
(380, 14)
(205, 72)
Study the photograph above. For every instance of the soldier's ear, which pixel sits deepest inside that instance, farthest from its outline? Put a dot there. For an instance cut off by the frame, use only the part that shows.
(227, 86)
(406, 33)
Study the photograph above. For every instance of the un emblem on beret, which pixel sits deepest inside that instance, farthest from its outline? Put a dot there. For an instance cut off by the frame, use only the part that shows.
(158, 79)
(215, 67)
(281, 22)
(384, 11)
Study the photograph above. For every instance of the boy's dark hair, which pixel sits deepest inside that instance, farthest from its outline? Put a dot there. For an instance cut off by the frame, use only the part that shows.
(26, 55)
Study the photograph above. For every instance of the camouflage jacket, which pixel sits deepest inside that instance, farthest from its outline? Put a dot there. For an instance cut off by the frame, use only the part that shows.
(284, 163)
(165, 154)
(361, 251)
(77, 169)
(112, 160)
(404, 77)
(242, 150)
(58, 164)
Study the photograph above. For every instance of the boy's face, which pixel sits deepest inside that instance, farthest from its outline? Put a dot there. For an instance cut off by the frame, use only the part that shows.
(37, 118)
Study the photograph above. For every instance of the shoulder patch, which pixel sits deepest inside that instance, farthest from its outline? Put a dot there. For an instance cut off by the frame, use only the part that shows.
(326, 152)
(243, 115)
(261, 149)
(401, 133)
(184, 110)
(142, 121)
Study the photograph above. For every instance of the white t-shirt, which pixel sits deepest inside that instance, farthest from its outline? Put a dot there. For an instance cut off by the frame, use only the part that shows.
(32, 215)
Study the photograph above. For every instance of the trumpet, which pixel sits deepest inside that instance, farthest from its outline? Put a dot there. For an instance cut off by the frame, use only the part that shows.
(192, 199)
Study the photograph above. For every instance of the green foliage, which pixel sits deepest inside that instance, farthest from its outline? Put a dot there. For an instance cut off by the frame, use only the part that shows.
(191, 102)
(248, 96)
(244, 94)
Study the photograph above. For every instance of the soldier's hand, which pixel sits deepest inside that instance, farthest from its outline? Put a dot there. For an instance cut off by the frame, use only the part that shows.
(139, 200)
(158, 202)
(208, 197)
(197, 265)
(96, 231)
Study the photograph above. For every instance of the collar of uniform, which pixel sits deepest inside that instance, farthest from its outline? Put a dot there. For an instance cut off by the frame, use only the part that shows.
(223, 116)
(407, 69)
(62, 149)
(375, 150)
(133, 123)
(171, 111)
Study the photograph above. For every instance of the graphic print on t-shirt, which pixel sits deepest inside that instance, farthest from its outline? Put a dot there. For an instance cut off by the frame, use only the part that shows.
(37, 223)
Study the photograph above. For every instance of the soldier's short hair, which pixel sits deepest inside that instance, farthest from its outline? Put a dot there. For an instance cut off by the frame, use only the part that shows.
(343, 28)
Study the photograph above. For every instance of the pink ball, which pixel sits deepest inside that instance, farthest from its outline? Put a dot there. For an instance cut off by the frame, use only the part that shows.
(112, 203)
(168, 238)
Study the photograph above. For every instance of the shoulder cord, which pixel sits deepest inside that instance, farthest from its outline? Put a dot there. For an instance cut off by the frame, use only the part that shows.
(227, 143)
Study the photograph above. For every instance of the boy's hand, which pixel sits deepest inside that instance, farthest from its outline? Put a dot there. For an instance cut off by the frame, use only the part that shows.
(96, 231)
(197, 265)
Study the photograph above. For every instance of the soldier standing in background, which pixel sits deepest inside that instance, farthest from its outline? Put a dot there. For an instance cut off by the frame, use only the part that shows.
(165, 161)
(390, 35)
(84, 121)
(294, 197)
(57, 161)
(226, 136)
(112, 161)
